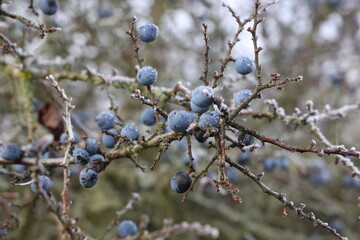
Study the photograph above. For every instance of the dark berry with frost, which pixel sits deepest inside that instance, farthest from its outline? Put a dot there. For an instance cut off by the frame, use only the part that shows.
(202, 96)
(209, 119)
(180, 182)
(91, 146)
(88, 178)
(147, 76)
(148, 32)
(44, 182)
(148, 117)
(97, 163)
(179, 120)
(48, 7)
(127, 228)
(241, 96)
(130, 132)
(105, 120)
(11, 152)
(244, 65)
(198, 109)
(81, 156)
(245, 139)
(108, 140)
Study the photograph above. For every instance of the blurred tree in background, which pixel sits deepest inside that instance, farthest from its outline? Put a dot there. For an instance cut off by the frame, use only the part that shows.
(86, 43)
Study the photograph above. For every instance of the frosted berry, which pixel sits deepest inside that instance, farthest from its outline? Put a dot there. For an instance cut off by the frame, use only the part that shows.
(148, 117)
(197, 109)
(147, 75)
(97, 163)
(48, 7)
(209, 119)
(2, 232)
(243, 158)
(45, 183)
(202, 96)
(91, 146)
(179, 120)
(81, 156)
(108, 140)
(245, 139)
(127, 228)
(64, 137)
(11, 152)
(244, 65)
(148, 32)
(180, 182)
(269, 164)
(105, 120)
(130, 132)
(233, 174)
(241, 96)
(88, 178)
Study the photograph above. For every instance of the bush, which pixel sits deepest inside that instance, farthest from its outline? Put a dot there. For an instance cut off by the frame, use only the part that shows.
(87, 71)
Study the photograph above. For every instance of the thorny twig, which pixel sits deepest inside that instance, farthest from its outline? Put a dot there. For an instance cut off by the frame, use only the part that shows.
(230, 45)
(134, 39)
(67, 119)
(206, 56)
(282, 198)
(129, 206)
(43, 29)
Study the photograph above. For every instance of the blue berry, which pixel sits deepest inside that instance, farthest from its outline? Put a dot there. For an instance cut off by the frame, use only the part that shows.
(88, 178)
(334, 3)
(202, 96)
(105, 120)
(335, 79)
(81, 156)
(269, 164)
(148, 117)
(349, 182)
(243, 158)
(108, 140)
(233, 174)
(130, 132)
(283, 163)
(200, 135)
(11, 152)
(31, 150)
(197, 109)
(337, 224)
(97, 163)
(186, 159)
(64, 137)
(209, 119)
(245, 139)
(180, 182)
(48, 7)
(127, 228)
(181, 145)
(318, 173)
(91, 146)
(18, 168)
(148, 32)
(241, 96)
(105, 11)
(2, 232)
(244, 65)
(51, 153)
(147, 75)
(45, 183)
(179, 120)
(321, 179)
